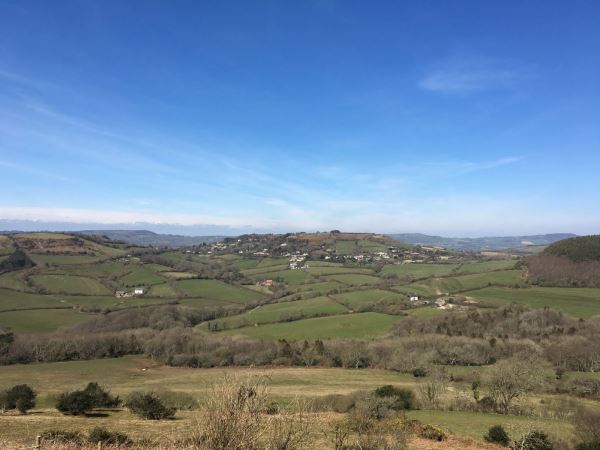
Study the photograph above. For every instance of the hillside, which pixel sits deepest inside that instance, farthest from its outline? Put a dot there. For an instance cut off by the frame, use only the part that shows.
(482, 243)
(149, 238)
(570, 262)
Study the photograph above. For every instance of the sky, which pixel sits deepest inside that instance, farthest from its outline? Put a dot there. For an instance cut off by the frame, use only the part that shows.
(463, 118)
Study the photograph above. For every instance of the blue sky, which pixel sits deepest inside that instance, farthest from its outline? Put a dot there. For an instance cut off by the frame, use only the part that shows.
(456, 118)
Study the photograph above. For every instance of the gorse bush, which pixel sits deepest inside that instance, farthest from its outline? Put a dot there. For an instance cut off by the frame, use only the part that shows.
(498, 435)
(101, 398)
(401, 398)
(79, 402)
(74, 403)
(148, 405)
(100, 434)
(534, 440)
(20, 397)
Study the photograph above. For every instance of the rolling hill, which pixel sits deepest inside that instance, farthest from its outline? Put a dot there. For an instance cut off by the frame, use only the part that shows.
(149, 238)
(573, 262)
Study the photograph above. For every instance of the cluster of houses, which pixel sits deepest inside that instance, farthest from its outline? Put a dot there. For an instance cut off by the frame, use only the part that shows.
(298, 261)
(126, 294)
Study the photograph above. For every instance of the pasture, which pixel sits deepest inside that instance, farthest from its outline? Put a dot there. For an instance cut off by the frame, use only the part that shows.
(577, 302)
(217, 290)
(357, 325)
(359, 298)
(354, 279)
(41, 320)
(417, 271)
(284, 311)
(70, 284)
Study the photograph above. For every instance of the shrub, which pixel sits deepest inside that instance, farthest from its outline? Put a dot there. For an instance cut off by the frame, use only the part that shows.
(534, 440)
(235, 420)
(148, 405)
(100, 434)
(101, 398)
(376, 408)
(432, 433)
(20, 397)
(487, 404)
(403, 398)
(419, 372)
(74, 403)
(588, 446)
(498, 435)
(62, 436)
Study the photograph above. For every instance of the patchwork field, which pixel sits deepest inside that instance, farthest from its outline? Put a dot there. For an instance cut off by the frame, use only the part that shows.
(217, 290)
(356, 299)
(356, 325)
(284, 311)
(416, 271)
(578, 302)
(41, 320)
(354, 279)
(69, 284)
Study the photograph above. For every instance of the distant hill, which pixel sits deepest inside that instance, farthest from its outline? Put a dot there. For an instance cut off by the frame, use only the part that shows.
(149, 238)
(570, 262)
(482, 243)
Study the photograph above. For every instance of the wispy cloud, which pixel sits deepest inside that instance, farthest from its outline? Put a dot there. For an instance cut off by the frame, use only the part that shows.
(34, 171)
(459, 75)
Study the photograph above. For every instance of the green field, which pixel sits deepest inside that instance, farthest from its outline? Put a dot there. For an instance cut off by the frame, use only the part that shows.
(291, 277)
(141, 275)
(477, 281)
(486, 266)
(354, 279)
(321, 287)
(319, 306)
(163, 290)
(416, 271)
(41, 320)
(217, 290)
(269, 262)
(578, 302)
(263, 270)
(42, 259)
(356, 299)
(12, 280)
(69, 284)
(324, 270)
(359, 325)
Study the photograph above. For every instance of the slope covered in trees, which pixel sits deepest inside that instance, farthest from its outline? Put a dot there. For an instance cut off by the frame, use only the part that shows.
(570, 262)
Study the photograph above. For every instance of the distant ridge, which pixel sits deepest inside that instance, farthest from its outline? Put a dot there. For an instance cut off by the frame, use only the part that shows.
(482, 243)
(149, 238)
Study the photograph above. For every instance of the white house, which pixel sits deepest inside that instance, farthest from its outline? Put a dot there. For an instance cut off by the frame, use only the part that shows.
(138, 291)
(414, 298)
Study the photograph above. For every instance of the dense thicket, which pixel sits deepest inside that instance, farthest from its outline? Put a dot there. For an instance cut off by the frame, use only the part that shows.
(577, 249)
(16, 261)
(546, 269)
(155, 317)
